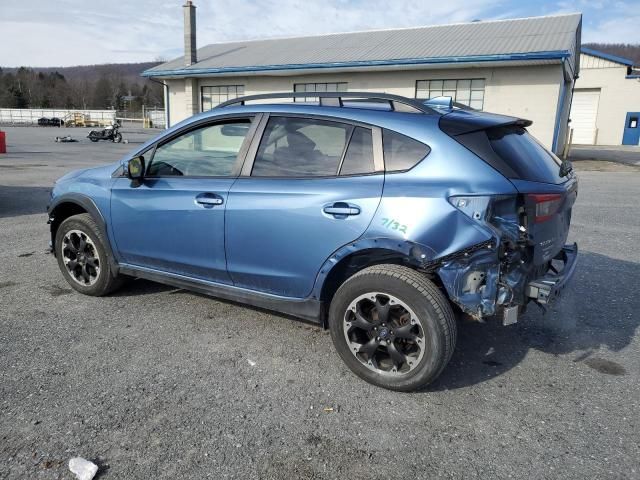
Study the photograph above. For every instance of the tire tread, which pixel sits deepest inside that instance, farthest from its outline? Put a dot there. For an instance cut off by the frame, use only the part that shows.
(113, 282)
(444, 314)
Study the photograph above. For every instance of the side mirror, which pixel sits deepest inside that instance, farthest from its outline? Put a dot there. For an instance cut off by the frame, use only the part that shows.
(135, 169)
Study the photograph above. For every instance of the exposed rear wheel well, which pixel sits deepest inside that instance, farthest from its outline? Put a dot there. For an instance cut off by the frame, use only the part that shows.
(355, 262)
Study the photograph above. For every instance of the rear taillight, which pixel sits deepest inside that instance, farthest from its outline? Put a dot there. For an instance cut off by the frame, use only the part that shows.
(498, 212)
(546, 204)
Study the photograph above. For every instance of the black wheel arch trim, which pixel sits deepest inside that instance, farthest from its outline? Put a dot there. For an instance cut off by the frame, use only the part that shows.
(88, 205)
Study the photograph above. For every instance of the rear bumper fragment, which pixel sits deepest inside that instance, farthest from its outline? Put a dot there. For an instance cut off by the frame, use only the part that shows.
(546, 289)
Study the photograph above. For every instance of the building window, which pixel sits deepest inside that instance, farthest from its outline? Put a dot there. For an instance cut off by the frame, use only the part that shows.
(318, 87)
(212, 96)
(466, 91)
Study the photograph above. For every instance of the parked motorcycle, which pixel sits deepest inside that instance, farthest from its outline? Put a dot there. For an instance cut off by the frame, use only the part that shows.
(108, 133)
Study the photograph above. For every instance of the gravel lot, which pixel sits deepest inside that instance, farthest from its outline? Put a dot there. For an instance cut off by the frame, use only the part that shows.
(155, 382)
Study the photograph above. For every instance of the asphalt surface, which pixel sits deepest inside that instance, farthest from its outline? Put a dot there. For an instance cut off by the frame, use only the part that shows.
(625, 154)
(154, 382)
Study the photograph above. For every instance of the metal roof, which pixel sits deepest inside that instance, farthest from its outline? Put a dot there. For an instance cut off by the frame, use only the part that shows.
(607, 56)
(536, 38)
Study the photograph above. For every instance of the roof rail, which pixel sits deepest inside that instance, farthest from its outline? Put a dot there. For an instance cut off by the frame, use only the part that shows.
(336, 99)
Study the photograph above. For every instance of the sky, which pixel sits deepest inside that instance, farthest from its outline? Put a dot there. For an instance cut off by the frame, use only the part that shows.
(50, 33)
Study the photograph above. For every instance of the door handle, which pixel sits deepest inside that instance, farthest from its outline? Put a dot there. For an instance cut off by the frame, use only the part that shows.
(209, 200)
(341, 209)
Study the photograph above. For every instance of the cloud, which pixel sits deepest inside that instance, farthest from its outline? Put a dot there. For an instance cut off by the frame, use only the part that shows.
(73, 32)
(268, 18)
(619, 25)
(70, 32)
(619, 30)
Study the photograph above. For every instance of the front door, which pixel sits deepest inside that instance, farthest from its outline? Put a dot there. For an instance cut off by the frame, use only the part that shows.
(631, 129)
(314, 186)
(174, 221)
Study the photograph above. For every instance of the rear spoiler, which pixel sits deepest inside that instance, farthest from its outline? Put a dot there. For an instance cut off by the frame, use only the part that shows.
(460, 122)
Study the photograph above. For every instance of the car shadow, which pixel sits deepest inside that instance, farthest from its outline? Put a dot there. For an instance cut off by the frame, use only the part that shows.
(598, 309)
(138, 286)
(16, 201)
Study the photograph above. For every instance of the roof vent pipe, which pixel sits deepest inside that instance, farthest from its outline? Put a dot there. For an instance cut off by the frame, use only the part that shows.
(190, 56)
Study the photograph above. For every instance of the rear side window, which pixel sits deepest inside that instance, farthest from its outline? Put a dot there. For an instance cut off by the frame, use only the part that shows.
(300, 147)
(402, 152)
(524, 155)
(359, 156)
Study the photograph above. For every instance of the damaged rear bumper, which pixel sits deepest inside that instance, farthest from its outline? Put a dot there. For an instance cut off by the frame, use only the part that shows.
(483, 286)
(546, 289)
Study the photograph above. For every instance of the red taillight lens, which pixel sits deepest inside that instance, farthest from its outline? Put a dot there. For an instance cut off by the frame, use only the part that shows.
(547, 205)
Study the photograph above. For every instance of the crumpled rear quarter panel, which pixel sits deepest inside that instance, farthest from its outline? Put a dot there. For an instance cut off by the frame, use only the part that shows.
(415, 208)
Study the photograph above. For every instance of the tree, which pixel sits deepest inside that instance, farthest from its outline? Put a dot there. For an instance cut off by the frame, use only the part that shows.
(102, 94)
(83, 87)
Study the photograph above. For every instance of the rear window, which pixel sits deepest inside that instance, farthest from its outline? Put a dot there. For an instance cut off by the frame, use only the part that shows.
(401, 152)
(524, 155)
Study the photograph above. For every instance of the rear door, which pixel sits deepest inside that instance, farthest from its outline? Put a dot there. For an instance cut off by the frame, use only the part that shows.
(309, 186)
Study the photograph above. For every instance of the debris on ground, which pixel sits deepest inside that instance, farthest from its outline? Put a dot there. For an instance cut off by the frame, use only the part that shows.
(83, 469)
(66, 139)
(327, 409)
(251, 362)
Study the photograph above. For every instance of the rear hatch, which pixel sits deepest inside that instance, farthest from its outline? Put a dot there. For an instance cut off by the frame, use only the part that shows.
(547, 186)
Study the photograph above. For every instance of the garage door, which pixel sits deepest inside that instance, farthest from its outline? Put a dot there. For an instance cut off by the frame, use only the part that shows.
(584, 111)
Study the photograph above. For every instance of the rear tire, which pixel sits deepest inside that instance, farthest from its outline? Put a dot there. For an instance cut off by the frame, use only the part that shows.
(83, 258)
(393, 327)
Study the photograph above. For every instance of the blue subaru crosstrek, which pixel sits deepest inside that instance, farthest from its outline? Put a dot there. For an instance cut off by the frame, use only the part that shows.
(378, 216)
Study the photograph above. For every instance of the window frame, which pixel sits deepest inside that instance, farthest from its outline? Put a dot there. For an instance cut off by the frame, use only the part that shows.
(457, 80)
(208, 122)
(202, 87)
(429, 149)
(376, 136)
(305, 99)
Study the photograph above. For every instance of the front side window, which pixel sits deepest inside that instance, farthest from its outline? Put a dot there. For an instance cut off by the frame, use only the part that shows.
(468, 91)
(301, 147)
(212, 96)
(209, 151)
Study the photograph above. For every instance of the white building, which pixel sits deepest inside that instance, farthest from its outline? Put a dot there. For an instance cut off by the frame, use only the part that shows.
(606, 101)
(522, 67)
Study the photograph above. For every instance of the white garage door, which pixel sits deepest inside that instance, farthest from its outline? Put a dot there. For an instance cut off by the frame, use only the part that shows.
(584, 111)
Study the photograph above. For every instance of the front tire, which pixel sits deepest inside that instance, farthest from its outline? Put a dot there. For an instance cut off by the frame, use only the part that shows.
(393, 327)
(117, 138)
(83, 258)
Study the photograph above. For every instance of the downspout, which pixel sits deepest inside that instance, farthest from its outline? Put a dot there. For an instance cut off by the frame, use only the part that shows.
(563, 88)
(166, 101)
(556, 130)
